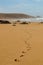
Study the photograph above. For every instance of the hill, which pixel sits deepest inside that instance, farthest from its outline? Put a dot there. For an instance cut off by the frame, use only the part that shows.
(14, 15)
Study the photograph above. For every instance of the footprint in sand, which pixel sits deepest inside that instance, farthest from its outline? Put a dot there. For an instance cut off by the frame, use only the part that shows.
(28, 49)
(23, 52)
(21, 55)
(16, 60)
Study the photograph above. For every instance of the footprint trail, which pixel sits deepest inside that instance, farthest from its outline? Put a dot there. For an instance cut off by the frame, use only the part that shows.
(28, 36)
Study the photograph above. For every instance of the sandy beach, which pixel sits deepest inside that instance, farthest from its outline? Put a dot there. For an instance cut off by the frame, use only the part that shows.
(21, 44)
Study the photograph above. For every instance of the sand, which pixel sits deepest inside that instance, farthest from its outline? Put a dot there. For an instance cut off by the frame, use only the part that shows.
(21, 44)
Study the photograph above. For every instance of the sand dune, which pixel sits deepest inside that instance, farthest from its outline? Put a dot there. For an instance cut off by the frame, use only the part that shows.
(21, 44)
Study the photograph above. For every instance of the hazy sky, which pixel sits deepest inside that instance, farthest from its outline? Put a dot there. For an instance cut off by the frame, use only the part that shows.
(31, 7)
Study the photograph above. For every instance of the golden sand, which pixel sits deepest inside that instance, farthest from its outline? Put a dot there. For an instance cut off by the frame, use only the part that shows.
(21, 44)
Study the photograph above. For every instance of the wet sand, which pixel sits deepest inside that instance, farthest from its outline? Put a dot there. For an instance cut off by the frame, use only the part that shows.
(21, 44)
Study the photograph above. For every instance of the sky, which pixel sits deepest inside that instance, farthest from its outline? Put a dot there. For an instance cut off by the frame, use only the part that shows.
(30, 7)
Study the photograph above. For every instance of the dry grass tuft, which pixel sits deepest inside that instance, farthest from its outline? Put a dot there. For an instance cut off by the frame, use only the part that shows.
(14, 24)
(24, 22)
